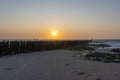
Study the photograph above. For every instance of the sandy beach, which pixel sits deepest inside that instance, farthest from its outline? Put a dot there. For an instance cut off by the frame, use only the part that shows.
(55, 65)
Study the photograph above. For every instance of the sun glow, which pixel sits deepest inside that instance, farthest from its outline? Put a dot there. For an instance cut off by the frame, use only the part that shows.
(54, 33)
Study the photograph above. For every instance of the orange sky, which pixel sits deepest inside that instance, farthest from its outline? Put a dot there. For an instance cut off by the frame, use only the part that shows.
(77, 19)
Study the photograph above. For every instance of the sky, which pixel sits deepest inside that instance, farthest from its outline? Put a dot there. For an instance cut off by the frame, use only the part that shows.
(71, 19)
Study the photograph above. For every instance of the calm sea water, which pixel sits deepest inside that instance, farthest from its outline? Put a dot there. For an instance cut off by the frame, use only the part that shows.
(112, 43)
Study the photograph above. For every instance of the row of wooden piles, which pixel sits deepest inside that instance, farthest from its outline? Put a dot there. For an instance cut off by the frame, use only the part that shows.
(16, 47)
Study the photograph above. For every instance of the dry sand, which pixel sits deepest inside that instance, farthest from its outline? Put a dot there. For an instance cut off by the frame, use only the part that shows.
(55, 65)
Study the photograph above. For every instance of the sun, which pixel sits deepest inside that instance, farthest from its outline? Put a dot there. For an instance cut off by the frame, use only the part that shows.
(54, 33)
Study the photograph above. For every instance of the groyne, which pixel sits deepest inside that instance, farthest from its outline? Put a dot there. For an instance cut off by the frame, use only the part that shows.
(16, 47)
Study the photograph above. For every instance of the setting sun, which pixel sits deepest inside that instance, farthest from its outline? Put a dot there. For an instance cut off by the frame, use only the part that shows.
(54, 33)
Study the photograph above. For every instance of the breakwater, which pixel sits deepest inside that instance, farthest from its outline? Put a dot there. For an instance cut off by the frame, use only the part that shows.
(16, 47)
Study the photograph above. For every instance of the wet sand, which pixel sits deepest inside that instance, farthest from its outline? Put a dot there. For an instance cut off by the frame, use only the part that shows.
(55, 65)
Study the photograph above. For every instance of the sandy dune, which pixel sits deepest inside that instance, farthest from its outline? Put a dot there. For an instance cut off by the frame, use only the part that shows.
(55, 65)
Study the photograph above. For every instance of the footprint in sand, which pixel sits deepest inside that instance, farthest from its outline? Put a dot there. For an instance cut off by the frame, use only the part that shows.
(99, 79)
(88, 75)
(10, 68)
(79, 73)
(67, 64)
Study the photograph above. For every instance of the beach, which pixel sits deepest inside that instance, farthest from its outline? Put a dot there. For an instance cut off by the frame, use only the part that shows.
(60, 40)
(55, 65)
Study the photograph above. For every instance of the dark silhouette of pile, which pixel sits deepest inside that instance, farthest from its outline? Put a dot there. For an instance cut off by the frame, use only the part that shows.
(16, 47)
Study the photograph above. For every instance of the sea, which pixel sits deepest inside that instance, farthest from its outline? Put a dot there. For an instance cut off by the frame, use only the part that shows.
(112, 43)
